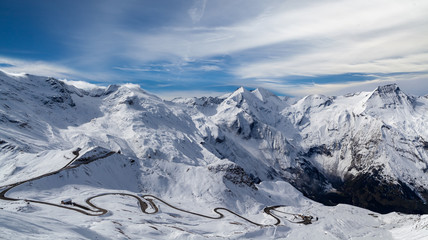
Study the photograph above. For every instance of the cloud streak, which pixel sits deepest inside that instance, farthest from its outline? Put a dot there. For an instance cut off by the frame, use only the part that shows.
(197, 11)
(35, 67)
(412, 83)
(333, 37)
(335, 22)
(57, 70)
(242, 42)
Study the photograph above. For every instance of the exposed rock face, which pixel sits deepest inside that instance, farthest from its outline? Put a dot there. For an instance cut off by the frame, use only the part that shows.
(235, 174)
(61, 95)
(374, 191)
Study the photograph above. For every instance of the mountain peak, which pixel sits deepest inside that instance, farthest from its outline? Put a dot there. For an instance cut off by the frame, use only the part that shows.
(263, 94)
(258, 94)
(390, 88)
(239, 94)
(388, 96)
(240, 90)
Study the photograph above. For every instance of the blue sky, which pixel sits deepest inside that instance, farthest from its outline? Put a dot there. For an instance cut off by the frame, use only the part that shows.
(207, 47)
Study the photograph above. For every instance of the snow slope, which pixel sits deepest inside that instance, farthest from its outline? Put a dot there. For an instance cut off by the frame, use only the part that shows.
(242, 151)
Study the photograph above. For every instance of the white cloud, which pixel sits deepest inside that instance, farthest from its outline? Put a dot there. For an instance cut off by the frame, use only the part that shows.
(265, 41)
(56, 70)
(37, 68)
(334, 37)
(401, 51)
(335, 62)
(138, 69)
(207, 68)
(414, 84)
(82, 84)
(197, 10)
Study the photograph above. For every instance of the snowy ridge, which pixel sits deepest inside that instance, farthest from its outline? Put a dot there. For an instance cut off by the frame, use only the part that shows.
(242, 151)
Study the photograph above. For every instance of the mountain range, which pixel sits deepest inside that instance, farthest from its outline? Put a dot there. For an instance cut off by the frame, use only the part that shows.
(244, 151)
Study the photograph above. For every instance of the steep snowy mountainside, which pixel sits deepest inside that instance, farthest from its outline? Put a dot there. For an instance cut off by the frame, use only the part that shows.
(48, 111)
(374, 138)
(32, 108)
(126, 119)
(258, 104)
(249, 129)
(334, 149)
(389, 96)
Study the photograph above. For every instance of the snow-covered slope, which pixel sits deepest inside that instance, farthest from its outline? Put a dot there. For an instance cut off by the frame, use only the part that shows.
(242, 151)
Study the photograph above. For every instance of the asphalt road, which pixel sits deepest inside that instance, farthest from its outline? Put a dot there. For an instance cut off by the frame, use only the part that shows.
(145, 200)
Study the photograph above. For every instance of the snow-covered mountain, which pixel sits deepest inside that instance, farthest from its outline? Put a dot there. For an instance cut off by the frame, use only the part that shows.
(243, 151)
(368, 149)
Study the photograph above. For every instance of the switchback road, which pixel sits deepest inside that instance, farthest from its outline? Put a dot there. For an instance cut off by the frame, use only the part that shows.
(144, 201)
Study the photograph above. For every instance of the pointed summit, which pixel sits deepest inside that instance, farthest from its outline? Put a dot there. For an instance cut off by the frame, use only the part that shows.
(264, 94)
(239, 91)
(259, 95)
(389, 96)
(387, 89)
(239, 96)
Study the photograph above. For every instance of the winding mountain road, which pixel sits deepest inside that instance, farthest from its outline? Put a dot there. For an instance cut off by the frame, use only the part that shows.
(144, 201)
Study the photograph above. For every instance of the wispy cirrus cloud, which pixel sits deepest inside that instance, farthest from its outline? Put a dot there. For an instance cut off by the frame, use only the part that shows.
(57, 70)
(220, 43)
(197, 10)
(411, 83)
(309, 39)
(369, 24)
(35, 67)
